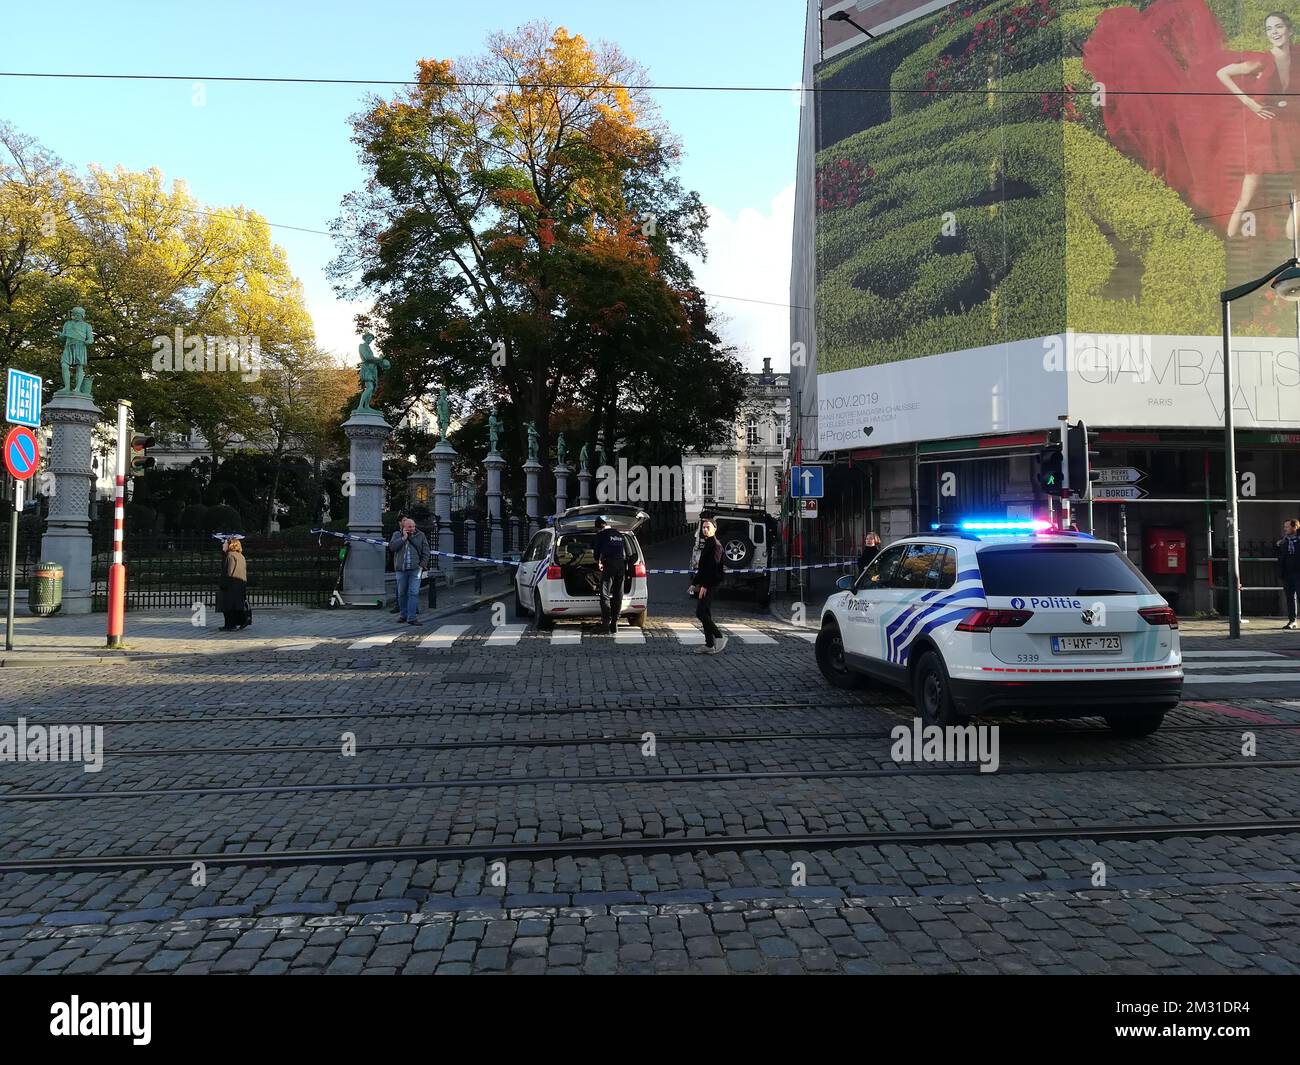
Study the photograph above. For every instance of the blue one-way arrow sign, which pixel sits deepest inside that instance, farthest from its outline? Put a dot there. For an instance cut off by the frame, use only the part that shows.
(805, 482)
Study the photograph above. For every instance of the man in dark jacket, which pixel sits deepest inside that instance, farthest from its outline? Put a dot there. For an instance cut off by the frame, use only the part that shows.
(1288, 560)
(410, 550)
(704, 586)
(610, 550)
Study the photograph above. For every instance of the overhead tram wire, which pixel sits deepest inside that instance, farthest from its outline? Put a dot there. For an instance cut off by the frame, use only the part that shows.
(647, 87)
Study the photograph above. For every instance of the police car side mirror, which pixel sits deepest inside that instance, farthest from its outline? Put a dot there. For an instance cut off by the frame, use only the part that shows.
(845, 583)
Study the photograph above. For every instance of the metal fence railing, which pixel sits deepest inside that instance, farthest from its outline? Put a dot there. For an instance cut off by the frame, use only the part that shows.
(182, 570)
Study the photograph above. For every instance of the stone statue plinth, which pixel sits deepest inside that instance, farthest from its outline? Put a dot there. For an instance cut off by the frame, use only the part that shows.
(532, 494)
(561, 488)
(443, 456)
(494, 464)
(363, 576)
(67, 538)
(584, 487)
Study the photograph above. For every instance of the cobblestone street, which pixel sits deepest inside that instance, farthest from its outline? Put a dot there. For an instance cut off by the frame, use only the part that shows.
(504, 812)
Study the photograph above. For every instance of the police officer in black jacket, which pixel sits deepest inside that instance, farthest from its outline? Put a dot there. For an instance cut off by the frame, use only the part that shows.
(1288, 561)
(610, 550)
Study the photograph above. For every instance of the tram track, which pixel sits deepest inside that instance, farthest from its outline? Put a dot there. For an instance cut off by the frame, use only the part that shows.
(624, 779)
(814, 841)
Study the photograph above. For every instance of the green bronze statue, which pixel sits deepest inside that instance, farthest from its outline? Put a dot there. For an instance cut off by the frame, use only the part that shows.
(444, 414)
(600, 457)
(371, 364)
(532, 439)
(76, 334)
(582, 459)
(560, 450)
(494, 431)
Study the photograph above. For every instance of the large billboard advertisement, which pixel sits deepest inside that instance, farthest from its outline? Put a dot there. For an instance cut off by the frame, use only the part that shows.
(1075, 179)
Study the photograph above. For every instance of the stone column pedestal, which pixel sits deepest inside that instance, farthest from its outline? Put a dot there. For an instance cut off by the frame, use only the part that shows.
(561, 489)
(584, 487)
(494, 464)
(363, 576)
(532, 494)
(443, 456)
(67, 538)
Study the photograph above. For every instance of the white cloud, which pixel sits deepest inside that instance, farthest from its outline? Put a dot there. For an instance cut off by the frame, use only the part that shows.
(749, 258)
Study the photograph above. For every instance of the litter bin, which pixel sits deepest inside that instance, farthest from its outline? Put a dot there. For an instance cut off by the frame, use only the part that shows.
(45, 595)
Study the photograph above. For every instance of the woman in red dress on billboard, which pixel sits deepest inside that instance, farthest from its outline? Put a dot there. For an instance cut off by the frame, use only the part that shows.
(1271, 139)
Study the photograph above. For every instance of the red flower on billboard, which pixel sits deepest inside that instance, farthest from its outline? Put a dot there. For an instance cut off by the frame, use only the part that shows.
(840, 184)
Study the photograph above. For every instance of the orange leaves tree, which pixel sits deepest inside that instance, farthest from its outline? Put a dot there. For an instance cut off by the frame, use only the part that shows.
(524, 239)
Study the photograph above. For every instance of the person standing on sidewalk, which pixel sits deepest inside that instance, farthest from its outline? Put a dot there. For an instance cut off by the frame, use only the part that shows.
(870, 549)
(610, 550)
(410, 551)
(704, 586)
(1288, 560)
(232, 589)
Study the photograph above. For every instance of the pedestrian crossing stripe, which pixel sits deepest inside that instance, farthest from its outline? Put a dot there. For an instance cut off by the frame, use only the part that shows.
(747, 633)
(1231, 654)
(1239, 664)
(445, 636)
(506, 635)
(366, 643)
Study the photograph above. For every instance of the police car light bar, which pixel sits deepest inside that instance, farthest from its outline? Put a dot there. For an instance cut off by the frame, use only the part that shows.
(1034, 525)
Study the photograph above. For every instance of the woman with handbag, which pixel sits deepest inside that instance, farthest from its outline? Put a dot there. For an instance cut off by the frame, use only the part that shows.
(232, 589)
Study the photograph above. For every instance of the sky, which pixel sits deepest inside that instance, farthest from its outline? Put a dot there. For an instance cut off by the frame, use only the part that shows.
(285, 150)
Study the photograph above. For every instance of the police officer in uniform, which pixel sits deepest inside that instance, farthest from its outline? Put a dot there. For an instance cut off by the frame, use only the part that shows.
(610, 550)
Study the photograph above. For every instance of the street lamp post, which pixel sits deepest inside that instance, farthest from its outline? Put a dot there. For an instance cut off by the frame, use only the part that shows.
(1285, 280)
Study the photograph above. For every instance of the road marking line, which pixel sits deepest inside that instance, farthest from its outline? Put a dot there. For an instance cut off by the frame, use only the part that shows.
(1204, 664)
(1239, 678)
(565, 637)
(811, 637)
(685, 632)
(375, 641)
(1231, 654)
(445, 636)
(506, 635)
(629, 635)
(748, 634)
(294, 647)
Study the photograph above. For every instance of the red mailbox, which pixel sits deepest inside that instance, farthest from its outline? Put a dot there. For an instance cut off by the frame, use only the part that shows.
(1164, 550)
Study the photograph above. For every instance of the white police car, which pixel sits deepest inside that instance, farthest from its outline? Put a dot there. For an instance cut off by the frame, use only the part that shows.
(1000, 616)
(557, 576)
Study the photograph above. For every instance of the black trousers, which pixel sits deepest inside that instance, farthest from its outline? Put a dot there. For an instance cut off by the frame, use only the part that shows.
(611, 594)
(235, 618)
(1290, 587)
(704, 613)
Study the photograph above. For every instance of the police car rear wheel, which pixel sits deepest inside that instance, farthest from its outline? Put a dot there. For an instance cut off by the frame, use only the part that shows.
(831, 661)
(543, 622)
(1135, 725)
(932, 694)
(638, 620)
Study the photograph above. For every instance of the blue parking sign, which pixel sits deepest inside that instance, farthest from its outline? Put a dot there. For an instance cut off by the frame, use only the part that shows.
(805, 482)
(23, 399)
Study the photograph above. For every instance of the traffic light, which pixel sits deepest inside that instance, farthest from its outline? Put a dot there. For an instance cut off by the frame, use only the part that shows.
(1081, 457)
(1051, 475)
(140, 459)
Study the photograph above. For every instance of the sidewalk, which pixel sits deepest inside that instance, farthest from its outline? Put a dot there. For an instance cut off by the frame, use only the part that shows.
(63, 640)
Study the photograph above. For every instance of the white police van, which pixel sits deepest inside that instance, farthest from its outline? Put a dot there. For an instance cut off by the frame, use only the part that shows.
(557, 577)
(1002, 616)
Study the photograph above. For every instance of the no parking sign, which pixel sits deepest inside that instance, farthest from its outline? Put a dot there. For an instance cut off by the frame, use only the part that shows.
(22, 453)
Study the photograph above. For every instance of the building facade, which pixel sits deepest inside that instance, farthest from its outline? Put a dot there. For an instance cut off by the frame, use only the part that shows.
(987, 245)
(747, 468)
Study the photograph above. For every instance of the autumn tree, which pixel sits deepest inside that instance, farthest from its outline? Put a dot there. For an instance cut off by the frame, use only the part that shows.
(524, 240)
